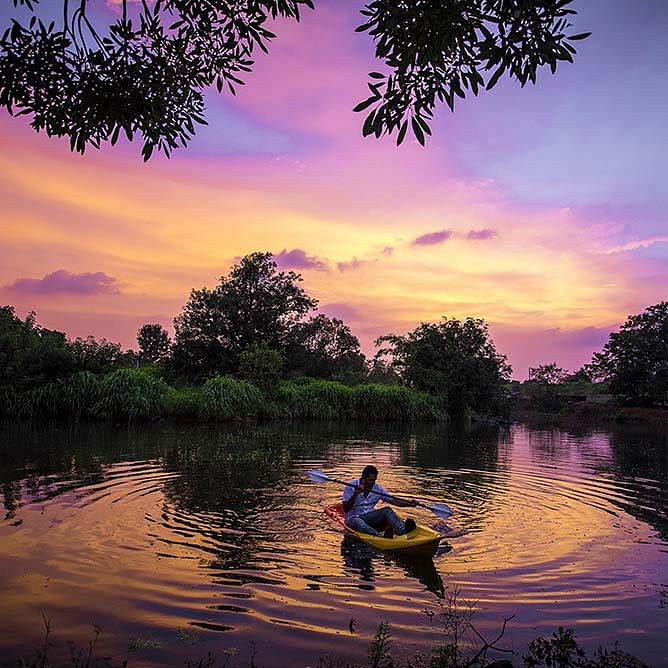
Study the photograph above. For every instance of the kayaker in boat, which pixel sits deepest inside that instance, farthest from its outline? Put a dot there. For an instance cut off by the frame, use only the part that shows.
(359, 499)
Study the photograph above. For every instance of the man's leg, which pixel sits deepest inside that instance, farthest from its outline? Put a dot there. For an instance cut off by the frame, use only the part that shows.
(381, 517)
(359, 524)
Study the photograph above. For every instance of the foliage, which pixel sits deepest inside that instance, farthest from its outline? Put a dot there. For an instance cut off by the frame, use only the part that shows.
(326, 348)
(254, 304)
(154, 343)
(545, 385)
(635, 359)
(379, 650)
(452, 359)
(436, 51)
(561, 650)
(261, 366)
(547, 374)
(226, 398)
(146, 73)
(131, 394)
(101, 356)
(184, 402)
(30, 354)
(382, 373)
(328, 400)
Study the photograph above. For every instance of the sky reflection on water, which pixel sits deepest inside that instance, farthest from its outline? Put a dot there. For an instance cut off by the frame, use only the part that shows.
(184, 539)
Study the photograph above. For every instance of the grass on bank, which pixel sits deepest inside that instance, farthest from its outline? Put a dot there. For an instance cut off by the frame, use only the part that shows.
(138, 394)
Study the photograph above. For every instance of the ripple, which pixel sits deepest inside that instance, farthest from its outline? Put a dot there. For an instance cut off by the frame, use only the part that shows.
(553, 531)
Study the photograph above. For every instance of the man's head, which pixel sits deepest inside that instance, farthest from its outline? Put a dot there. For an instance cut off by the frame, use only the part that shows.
(369, 475)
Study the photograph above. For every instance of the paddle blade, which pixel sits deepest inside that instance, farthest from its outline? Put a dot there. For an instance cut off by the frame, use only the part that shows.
(441, 509)
(317, 476)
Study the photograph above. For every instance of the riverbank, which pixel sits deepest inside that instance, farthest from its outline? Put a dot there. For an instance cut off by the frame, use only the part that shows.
(592, 412)
(138, 394)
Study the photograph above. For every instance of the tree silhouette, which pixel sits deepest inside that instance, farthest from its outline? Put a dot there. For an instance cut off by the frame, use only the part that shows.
(145, 72)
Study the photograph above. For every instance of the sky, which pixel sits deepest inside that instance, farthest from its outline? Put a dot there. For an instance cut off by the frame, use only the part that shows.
(542, 210)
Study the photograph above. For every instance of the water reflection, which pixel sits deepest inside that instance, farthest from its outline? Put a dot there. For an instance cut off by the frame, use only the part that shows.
(217, 529)
(359, 558)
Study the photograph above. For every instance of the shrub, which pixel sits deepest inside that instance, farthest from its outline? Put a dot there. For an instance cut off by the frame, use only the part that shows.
(225, 398)
(131, 394)
(184, 402)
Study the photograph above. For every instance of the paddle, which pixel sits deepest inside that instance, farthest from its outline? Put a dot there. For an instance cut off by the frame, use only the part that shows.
(439, 509)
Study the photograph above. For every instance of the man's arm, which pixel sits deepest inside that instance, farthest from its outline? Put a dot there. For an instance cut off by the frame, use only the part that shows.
(402, 503)
(349, 496)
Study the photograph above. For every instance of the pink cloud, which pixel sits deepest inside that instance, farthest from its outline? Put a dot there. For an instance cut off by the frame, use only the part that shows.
(298, 259)
(432, 238)
(64, 282)
(481, 235)
(639, 243)
(351, 265)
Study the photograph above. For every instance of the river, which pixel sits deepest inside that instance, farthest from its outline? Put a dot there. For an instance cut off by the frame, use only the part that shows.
(179, 540)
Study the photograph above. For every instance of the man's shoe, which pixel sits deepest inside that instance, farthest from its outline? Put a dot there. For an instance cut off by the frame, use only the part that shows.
(410, 525)
(389, 533)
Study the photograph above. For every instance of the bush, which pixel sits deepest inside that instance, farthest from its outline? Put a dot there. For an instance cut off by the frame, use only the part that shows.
(326, 400)
(185, 402)
(131, 394)
(225, 398)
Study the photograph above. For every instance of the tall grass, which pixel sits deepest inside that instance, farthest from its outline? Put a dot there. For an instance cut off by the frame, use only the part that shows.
(131, 394)
(326, 400)
(135, 394)
(226, 398)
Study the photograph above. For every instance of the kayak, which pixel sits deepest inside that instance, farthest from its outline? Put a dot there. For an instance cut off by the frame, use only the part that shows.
(422, 540)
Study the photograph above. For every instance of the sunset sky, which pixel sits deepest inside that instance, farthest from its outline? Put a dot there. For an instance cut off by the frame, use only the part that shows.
(543, 210)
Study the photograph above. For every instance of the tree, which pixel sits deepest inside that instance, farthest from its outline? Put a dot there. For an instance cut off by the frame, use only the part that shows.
(255, 303)
(261, 366)
(154, 342)
(635, 359)
(452, 359)
(99, 356)
(30, 354)
(326, 348)
(146, 71)
(547, 374)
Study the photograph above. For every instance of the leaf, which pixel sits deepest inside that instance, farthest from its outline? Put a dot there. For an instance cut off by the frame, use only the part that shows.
(582, 35)
(376, 75)
(495, 77)
(367, 128)
(417, 131)
(402, 133)
(367, 103)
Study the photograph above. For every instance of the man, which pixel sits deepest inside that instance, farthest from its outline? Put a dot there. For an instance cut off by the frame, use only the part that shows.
(360, 497)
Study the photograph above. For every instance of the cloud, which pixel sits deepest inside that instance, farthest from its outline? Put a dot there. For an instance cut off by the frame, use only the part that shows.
(64, 282)
(481, 235)
(351, 265)
(387, 251)
(635, 245)
(298, 259)
(432, 238)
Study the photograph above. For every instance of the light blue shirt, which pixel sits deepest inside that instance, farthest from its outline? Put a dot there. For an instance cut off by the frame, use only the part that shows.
(363, 504)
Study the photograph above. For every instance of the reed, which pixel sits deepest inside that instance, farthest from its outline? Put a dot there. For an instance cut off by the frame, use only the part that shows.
(139, 394)
(131, 394)
(226, 398)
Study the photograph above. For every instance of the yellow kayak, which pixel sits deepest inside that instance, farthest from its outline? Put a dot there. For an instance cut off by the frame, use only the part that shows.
(422, 540)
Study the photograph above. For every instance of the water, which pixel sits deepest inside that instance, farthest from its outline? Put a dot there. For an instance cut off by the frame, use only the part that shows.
(179, 540)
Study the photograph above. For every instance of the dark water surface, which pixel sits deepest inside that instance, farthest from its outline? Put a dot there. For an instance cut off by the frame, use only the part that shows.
(179, 540)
